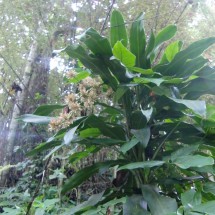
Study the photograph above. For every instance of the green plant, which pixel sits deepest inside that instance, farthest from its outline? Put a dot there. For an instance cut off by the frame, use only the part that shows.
(164, 136)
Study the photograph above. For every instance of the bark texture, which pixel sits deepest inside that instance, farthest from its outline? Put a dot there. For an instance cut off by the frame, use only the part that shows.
(19, 104)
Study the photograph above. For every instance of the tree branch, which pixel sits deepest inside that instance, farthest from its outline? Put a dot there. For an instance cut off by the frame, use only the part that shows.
(108, 14)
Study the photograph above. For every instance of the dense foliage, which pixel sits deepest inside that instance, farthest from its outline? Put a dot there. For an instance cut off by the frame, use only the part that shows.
(156, 121)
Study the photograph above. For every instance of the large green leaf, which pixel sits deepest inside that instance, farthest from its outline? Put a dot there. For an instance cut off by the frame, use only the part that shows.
(143, 165)
(98, 44)
(45, 110)
(165, 34)
(95, 64)
(206, 208)
(191, 198)
(79, 77)
(101, 142)
(75, 157)
(112, 131)
(117, 29)
(174, 108)
(158, 204)
(191, 52)
(171, 50)
(128, 145)
(143, 135)
(121, 90)
(114, 202)
(138, 120)
(210, 111)
(83, 174)
(209, 187)
(205, 169)
(157, 81)
(198, 107)
(186, 150)
(188, 161)
(198, 87)
(206, 72)
(190, 67)
(150, 45)
(135, 204)
(93, 200)
(138, 41)
(31, 118)
(70, 135)
(44, 146)
(90, 132)
(118, 70)
(142, 71)
(123, 54)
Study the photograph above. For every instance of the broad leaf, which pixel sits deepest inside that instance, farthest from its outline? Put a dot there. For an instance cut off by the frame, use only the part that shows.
(210, 111)
(206, 208)
(143, 135)
(191, 198)
(93, 200)
(75, 157)
(54, 150)
(138, 41)
(45, 110)
(158, 204)
(101, 142)
(142, 71)
(90, 132)
(118, 70)
(128, 145)
(93, 63)
(114, 202)
(135, 204)
(205, 169)
(209, 187)
(191, 52)
(70, 135)
(121, 90)
(112, 131)
(98, 44)
(79, 77)
(117, 29)
(83, 174)
(190, 67)
(207, 72)
(31, 118)
(198, 87)
(186, 150)
(188, 161)
(165, 34)
(138, 120)
(157, 81)
(142, 165)
(150, 45)
(43, 146)
(198, 107)
(123, 54)
(171, 50)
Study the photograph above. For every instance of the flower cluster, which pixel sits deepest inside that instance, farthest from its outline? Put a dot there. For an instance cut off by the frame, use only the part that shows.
(71, 74)
(89, 90)
(62, 121)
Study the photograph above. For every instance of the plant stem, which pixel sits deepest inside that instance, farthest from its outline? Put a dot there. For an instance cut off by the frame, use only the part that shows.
(163, 142)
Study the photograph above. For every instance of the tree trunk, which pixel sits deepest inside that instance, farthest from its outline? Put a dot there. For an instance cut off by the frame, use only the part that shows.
(20, 103)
